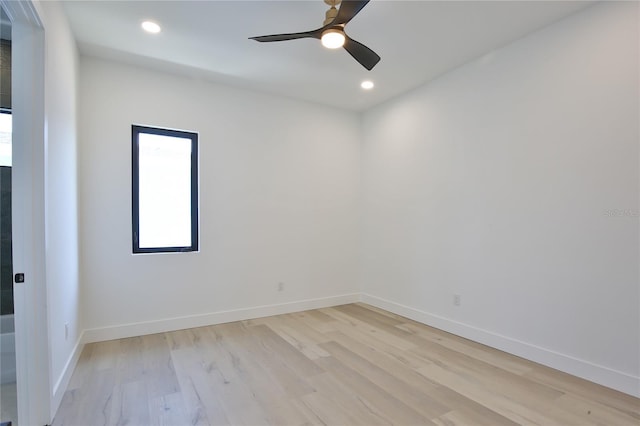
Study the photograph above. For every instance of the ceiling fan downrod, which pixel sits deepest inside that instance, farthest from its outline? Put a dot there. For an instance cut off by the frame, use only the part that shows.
(332, 12)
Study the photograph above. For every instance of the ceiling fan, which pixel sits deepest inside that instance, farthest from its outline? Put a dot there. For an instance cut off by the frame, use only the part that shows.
(332, 32)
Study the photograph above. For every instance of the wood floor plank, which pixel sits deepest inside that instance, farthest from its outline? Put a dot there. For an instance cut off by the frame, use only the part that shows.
(380, 311)
(168, 410)
(389, 337)
(401, 370)
(188, 375)
(105, 354)
(274, 364)
(130, 360)
(317, 320)
(239, 360)
(295, 360)
(297, 322)
(312, 417)
(376, 344)
(180, 339)
(482, 372)
(346, 365)
(483, 353)
(386, 405)
(297, 335)
(572, 385)
(322, 406)
(159, 372)
(92, 403)
(370, 317)
(332, 395)
(594, 411)
(518, 410)
(417, 398)
(466, 417)
(466, 411)
(130, 405)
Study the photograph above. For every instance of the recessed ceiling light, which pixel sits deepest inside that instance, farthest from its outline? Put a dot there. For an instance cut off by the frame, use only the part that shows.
(367, 85)
(151, 27)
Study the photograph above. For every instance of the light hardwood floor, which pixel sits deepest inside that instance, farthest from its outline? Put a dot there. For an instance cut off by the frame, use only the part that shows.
(347, 365)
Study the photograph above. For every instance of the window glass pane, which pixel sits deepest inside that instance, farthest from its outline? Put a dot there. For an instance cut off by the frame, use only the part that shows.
(164, 191)
(6, 128)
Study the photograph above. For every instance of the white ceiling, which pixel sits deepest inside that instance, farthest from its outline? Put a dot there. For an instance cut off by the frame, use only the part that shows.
(417, 40)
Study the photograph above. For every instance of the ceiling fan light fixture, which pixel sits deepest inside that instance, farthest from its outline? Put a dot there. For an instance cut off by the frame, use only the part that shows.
(333, 38)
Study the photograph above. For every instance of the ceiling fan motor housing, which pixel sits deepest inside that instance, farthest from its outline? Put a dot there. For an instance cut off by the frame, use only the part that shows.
(331, 14)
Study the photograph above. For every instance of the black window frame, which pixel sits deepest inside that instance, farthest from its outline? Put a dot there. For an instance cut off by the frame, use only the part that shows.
(136, 130)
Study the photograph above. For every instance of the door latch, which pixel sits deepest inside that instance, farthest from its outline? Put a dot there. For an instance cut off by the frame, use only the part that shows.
(19, 278)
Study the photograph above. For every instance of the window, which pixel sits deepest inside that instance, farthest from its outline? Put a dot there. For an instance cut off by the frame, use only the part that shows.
(5, 137)
(164, 190)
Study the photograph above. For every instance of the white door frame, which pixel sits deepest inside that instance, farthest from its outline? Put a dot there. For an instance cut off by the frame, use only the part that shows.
(28, 211)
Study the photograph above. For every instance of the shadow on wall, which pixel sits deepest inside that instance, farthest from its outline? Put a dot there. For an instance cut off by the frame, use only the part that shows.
(6, 264)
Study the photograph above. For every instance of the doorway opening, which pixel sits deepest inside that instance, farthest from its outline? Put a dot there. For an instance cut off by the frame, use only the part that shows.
(8, 390)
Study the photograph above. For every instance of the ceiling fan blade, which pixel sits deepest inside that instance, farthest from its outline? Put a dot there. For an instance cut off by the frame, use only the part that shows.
(361, 53)
(284, 37)
(348, 9)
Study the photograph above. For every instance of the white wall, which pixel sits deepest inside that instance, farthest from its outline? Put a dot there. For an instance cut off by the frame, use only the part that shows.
(278, 200)
(512, 181)
(61, 195)
(496, 182)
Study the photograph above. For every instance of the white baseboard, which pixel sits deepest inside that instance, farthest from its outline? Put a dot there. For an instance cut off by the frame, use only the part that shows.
(63, 381)
(596, 373)
(191, 321)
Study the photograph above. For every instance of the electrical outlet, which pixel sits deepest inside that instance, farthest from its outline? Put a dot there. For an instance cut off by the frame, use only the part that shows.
(280, 286)
(457, 299)
(66, 331)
